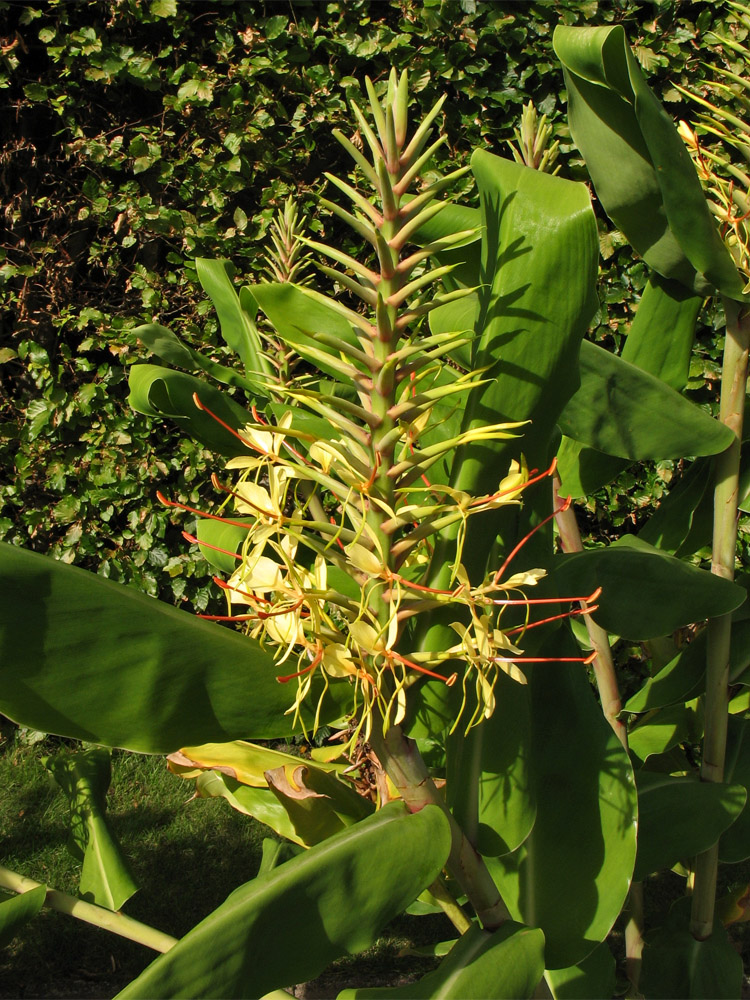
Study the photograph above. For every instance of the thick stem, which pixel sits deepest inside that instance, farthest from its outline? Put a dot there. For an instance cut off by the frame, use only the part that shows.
(406, 769)
(108, 920)
(634, 938)
(733, 390)
(609, 695)
(604, 665)
(449, 906)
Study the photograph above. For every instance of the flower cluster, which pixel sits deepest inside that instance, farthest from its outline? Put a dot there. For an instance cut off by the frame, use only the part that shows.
(336, 568)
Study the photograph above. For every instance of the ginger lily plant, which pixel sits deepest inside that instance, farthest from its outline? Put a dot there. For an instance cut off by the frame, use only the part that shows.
(383, 535)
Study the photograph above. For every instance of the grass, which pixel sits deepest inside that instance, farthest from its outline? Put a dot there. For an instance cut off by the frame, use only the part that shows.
(186, 855)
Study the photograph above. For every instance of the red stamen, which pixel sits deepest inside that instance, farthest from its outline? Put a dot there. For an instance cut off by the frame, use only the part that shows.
(541, 600)
(196, 541)
(305, 670)
(543, 659)
(523, 486)
(449, 681)
(227, 618)
(244, 593)
(194, 510)
(282, 611)
(528, 535)
(340, 544)
(544, 621)
(232, 431)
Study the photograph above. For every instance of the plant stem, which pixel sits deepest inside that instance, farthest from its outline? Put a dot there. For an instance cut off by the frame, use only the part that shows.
(733, 390)
(449, 906)
(634, 938)
(109, 920)
(609, 695)
(604, 665)
(406, 769)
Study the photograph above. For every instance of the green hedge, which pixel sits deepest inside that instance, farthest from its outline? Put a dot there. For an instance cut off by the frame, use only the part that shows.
(143, 134)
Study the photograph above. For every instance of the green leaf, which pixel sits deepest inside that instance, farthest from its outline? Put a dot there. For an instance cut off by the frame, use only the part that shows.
(106, 878)
(19, 910)
(623, 411)
(664, 729)
(659, 341)
(163, 8)
(260, 803)
(536, 299)
(734, 845)
(488, 770)
(640, 167)
(161, 392)
(680, 817)
(167, 346)
(286, 927)
(572, 874)
(678, 681)
(505, 965)
(237, 324)
(37, 416)
(677, 966)
(213, 535)
(83, 657)
(591, 979)
(297, 316)
(645, 592)
(316, 802)
(276, 25)
(584, 470)
(678, 514)
(660, 338)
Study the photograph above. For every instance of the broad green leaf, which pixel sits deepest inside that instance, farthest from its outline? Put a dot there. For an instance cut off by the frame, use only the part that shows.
(274, 853)
(215, 535)
(260, 803)
(539, 254)
(488, 771)
(645, 592)
(167, 346)
(83, 657)
(591, 979)
(678, 681)
(623, 411)
(298, 315)
(734, 845)
(19, 910)
(680, 817)
(584, 470)
(162, 392)
(660, 338)
(316, 802)
(237, 324)
(676, 516)
(287, 926)
(664, 729)
(245, 762)
(85, 777)
(677, 967)
(536, 297)
(659, 342)
(505, 965)
(640, 167)
(571, 875)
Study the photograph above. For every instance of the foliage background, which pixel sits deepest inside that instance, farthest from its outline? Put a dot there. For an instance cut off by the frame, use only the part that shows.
(138, 135)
